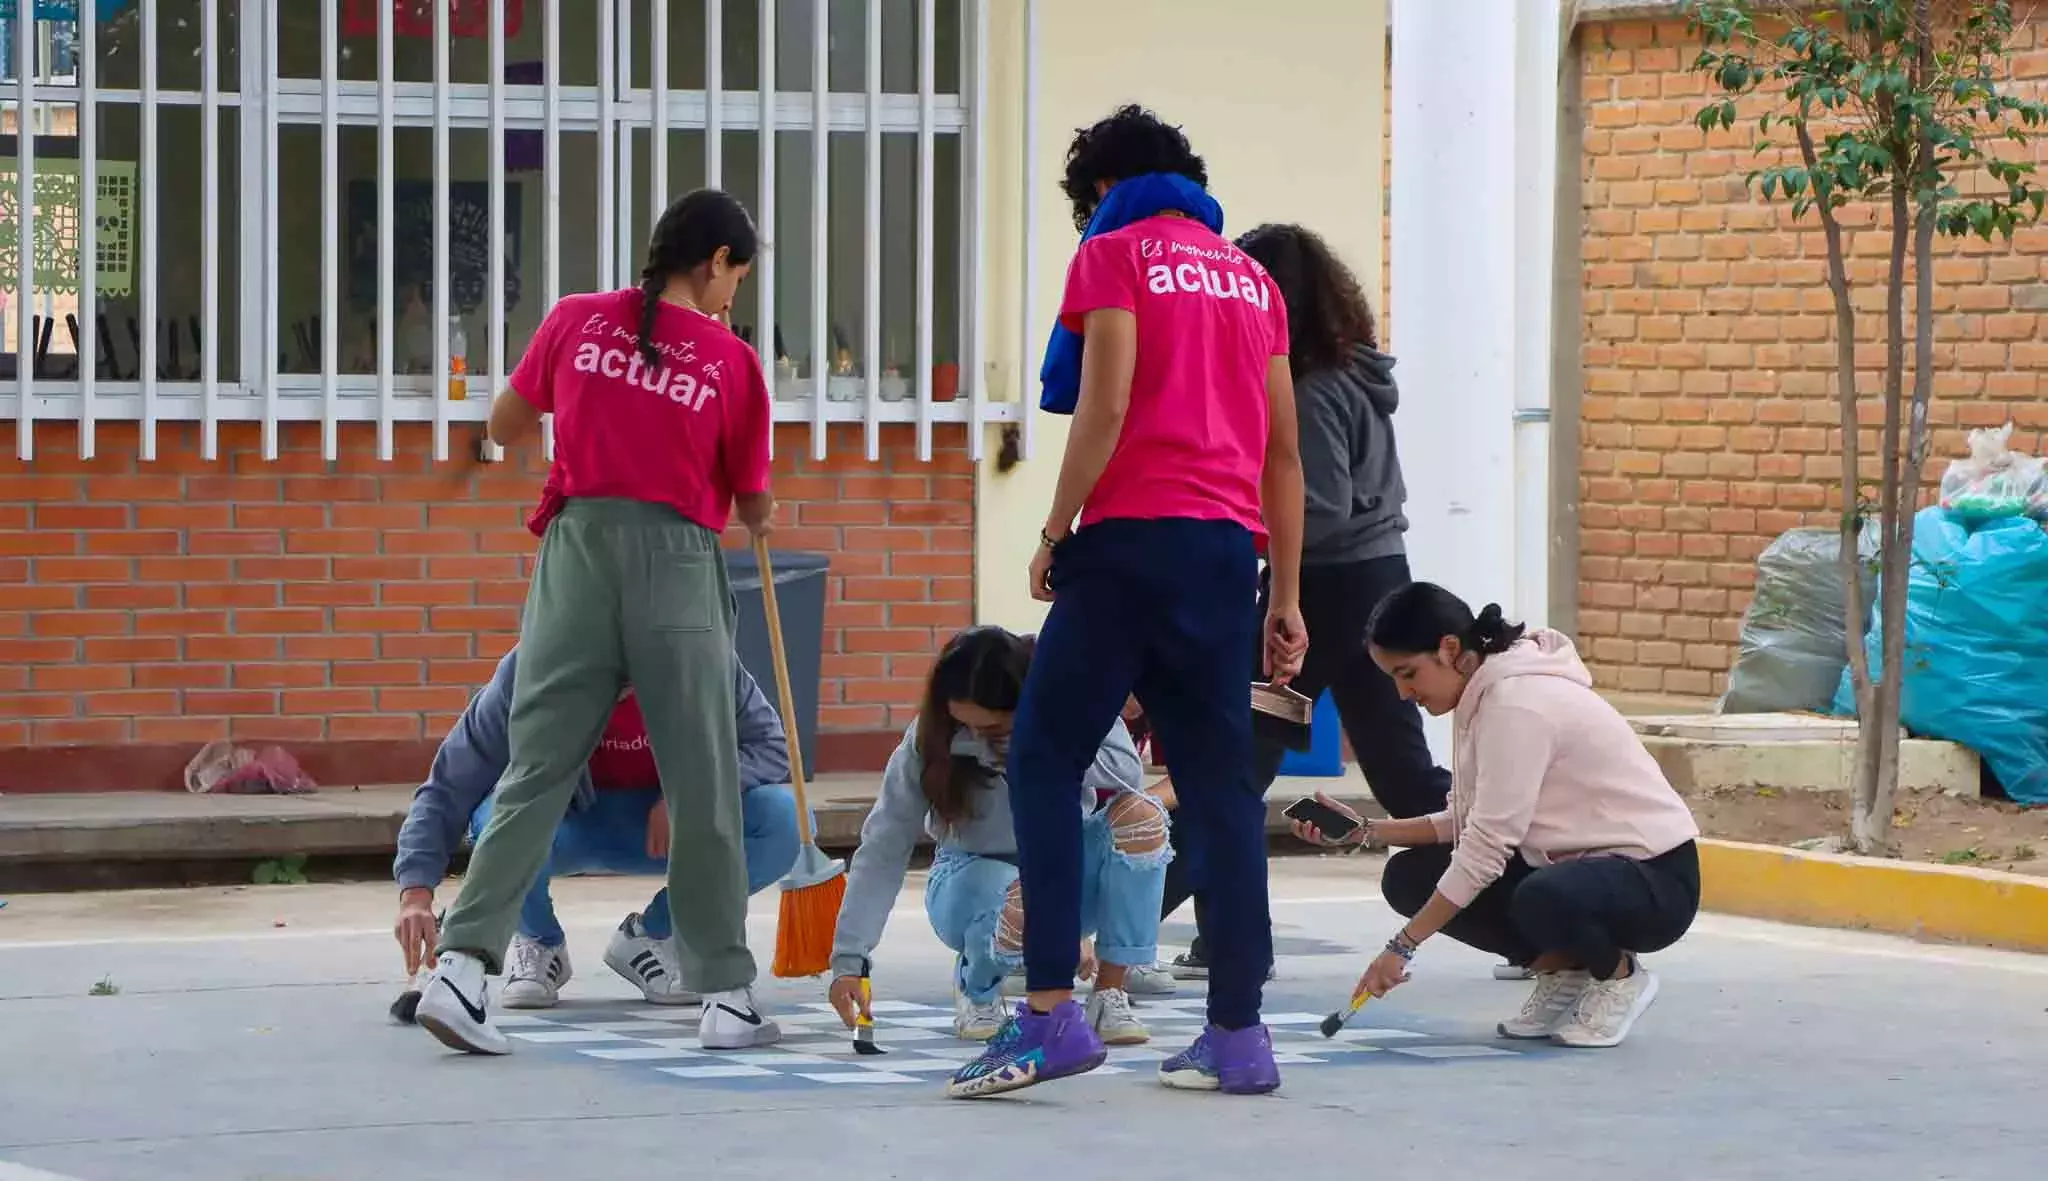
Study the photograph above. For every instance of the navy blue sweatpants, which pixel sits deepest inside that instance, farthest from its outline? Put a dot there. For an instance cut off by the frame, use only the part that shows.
(1166, 608)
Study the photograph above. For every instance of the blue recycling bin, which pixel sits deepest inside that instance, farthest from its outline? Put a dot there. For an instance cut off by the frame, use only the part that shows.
(1324, 758)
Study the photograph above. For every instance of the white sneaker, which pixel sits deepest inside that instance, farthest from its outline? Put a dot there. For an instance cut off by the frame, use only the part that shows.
(978, 1021)
(648, 963)
(1109, 1012)
(1549, 1003)
(534, 974)
(732, 1022)
(1151, 980)
(452, 1006)
(1607, 1010)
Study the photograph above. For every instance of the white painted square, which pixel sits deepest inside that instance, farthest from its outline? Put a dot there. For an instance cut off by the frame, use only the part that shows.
(1441, 1052)
(940, 1022)
(640, 1054)
(779, 1057)
(1375, 1035)
(551, 1037)
(1292, 1018)
(516, 1021)
(728, 1070)
(898, 1007)
(859, 1077)
(666, 1014)
(1137, 1054)
(1297, 1060)
(633, 1027)
(921, 1065)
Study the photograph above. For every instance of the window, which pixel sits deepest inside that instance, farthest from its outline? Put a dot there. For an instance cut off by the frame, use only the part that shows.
(278, 214)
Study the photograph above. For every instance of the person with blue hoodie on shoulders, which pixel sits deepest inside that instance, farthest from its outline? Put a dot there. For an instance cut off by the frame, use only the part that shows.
(617, 822)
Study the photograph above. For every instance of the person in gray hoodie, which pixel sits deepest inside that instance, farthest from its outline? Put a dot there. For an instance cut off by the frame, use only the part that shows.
(1352, 552)
(947, 780)
(616, 822)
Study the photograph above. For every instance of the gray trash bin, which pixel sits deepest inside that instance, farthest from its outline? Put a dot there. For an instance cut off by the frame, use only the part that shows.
(800, 592)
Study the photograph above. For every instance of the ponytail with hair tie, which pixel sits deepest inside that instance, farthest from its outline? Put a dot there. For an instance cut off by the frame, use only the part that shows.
(1491, 633)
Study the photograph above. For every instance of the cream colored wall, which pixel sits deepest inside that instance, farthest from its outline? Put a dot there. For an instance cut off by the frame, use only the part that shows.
(1285, 103)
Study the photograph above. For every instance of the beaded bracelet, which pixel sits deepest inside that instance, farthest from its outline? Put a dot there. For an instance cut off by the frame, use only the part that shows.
(1401, 946)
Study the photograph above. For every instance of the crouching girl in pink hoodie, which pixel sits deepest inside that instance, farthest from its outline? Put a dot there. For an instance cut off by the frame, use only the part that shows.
(1564, 847)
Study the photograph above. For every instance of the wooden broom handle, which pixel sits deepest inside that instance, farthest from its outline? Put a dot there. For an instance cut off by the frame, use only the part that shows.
(788, 701)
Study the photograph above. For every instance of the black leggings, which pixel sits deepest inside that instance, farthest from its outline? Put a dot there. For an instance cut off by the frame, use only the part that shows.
(1385, 732)
(1591, 909)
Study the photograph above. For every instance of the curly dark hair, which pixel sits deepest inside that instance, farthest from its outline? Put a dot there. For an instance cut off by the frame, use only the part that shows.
(1327, 315)
(1131, 142)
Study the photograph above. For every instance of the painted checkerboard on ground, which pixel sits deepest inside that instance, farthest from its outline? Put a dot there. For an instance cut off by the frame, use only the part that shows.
(817, 1051)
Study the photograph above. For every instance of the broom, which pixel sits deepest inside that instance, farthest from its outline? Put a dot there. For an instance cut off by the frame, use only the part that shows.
(816, 884)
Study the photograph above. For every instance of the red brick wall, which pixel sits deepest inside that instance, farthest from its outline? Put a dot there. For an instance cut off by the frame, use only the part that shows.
(1708, 422)
(359, 601)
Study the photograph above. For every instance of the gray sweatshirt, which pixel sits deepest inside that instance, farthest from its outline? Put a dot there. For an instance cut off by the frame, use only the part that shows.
(1348, 463)
(901, 813)
(474, 755)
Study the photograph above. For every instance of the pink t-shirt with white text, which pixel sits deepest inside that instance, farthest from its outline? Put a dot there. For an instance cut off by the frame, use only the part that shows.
(691, 433)
(1209, 322)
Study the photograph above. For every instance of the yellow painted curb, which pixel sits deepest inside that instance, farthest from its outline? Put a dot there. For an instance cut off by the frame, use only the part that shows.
(1947, 902)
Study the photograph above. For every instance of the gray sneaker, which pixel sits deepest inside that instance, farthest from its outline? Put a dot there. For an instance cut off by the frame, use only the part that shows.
(1607, 1010)
(1151, 980)
(1109, 1012)
(1549, 1003)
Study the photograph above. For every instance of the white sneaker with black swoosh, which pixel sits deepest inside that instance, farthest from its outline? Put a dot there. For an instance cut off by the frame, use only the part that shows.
(452, 1007)
(731, 1021)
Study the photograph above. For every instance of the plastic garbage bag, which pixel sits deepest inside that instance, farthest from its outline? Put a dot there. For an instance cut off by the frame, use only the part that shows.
(221, 768)
(1995, 481)
(1793, 647)
(1976, 645)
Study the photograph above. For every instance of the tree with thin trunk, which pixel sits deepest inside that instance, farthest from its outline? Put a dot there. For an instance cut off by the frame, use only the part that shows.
(1902, 104)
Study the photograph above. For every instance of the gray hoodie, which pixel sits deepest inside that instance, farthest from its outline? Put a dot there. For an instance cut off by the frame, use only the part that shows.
(473, 757)
(901, 812)
(1348, 463)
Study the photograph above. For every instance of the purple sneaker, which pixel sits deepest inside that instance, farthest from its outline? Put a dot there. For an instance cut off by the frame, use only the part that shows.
(1031, 1048)
(1234, 1061)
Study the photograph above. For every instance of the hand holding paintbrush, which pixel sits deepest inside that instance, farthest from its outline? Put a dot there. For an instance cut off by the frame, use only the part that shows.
(852, 998)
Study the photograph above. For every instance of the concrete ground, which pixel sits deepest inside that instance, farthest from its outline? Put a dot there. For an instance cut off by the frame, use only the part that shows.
(248, 1038)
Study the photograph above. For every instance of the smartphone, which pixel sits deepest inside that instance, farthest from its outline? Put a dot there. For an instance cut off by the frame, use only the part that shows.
(1334, 825)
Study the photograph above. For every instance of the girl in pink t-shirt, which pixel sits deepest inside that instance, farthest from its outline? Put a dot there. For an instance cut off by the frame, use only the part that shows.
(1182, 457)
(661, 428)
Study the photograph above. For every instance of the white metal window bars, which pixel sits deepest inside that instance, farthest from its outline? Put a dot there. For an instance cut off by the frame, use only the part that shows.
(612, 109)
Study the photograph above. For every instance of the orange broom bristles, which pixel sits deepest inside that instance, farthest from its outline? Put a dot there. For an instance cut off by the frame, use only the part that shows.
(803, 928)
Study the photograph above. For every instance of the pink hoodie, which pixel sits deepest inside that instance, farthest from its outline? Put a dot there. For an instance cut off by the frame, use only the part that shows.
(1543, 766)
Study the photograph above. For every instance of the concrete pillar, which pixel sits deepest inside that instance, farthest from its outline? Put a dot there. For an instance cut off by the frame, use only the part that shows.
(1474, 184)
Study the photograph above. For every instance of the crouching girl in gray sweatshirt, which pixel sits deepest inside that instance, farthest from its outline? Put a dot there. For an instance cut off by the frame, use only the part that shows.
(947, 780)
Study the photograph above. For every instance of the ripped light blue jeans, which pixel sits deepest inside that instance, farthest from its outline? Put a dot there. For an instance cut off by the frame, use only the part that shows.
(966, 893)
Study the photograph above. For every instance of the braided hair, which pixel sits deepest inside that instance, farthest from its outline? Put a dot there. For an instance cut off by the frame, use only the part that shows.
(690, 233)
(1417, 617)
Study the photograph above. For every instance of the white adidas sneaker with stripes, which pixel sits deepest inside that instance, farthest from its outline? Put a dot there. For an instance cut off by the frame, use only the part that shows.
(648, 963)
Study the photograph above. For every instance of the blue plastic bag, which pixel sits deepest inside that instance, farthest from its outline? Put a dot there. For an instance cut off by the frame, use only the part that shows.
(1977, 645)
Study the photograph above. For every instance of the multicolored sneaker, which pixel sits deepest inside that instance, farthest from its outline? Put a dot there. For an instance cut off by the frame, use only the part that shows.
(1234, 1061)
(1029, 1049)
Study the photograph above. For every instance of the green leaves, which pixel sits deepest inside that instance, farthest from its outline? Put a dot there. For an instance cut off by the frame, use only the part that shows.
(1880, 111)
(285, 871)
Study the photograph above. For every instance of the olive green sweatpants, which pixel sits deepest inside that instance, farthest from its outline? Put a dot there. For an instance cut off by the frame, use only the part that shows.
(624, 593)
